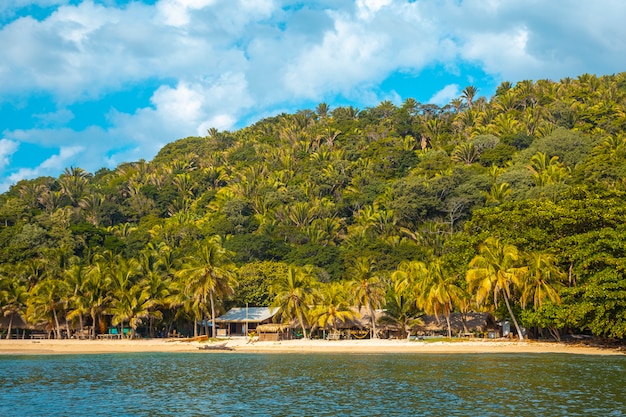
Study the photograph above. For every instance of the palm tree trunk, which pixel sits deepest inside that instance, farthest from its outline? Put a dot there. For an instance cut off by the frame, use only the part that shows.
(10, 325)
(56, 321)
(301, 320)
(93, 324)
(213, 332)
(508, 306)
(373, 315)
(449, 327)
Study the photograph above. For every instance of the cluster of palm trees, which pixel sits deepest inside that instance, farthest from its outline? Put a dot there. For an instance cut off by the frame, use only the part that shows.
(131, 292)
(156, 286)
(499, 271)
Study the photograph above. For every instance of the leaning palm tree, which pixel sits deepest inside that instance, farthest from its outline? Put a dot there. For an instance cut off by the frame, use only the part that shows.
(294, 294)
(209, 274)
(367, 288)
(495, 272)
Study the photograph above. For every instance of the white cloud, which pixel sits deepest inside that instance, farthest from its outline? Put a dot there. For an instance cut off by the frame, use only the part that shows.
(7, 148)
(215, 63)
(176, 12)
(51, 166)
(444, 95)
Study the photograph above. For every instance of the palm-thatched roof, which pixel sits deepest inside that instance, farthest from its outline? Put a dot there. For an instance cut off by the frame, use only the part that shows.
(18, 323)
(480, 322)
(273, 328)
(362, 319)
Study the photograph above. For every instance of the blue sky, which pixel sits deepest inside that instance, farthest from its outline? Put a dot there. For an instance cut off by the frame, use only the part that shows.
(94, 83)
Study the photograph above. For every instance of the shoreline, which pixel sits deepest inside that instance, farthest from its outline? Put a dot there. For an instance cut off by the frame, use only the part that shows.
(241, 345)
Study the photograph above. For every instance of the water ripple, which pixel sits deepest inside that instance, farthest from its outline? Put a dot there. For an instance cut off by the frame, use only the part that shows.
(216, 384)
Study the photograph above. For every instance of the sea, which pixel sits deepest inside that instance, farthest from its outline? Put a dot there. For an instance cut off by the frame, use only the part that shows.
(272, 384)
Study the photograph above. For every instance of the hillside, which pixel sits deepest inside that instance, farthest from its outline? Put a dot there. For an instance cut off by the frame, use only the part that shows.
(345, 195)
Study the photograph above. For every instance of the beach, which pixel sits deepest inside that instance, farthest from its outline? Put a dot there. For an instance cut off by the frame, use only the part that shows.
(235, 344)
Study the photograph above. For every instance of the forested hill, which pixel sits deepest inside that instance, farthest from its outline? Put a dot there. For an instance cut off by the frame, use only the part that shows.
(539, 168)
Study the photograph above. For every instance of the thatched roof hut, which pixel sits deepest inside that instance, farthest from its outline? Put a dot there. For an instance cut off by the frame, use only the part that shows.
(274, 332)
(475, 322)
(17, 323)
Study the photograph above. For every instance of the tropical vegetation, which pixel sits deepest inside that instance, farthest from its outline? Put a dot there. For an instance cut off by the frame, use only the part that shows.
(513, 204)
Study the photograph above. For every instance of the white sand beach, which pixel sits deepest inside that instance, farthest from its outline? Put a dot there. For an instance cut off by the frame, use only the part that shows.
(234, 345)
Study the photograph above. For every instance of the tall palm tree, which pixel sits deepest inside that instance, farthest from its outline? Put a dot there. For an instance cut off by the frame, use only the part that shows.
(367, 287)
(209, 274)
(333, 307)
(13, 296)
(96, 292)
(495, 272)
(401, 307)
(132, 306)
(469, 94)
(542, 281)
(46, 302)
(73, 182)
(438, 293)
(124, 275)
(294, 294)
(155, 282)
(76, 278)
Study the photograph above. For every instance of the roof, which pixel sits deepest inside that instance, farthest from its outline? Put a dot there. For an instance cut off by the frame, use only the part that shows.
(247, 315)
(273, 328)
(475, 321)
(18, 323)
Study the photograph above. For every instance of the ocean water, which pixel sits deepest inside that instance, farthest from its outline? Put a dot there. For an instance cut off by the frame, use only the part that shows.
(226, 384)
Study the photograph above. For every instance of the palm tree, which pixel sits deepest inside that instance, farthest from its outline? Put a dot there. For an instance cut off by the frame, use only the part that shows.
(438, 293)
(294, 294)
(75, 276)
(124, 274)
(209, 274)
(494, 272)
(333, 307)
(401, 307)
(469, 94)
(13, 296)
(73, 182)
(155, 282)
(367, 288)
(132, 306)
(46, 301)
(542, 280)
(96, 292)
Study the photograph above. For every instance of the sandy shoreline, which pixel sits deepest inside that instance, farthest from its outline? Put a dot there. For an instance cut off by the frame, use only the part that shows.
(44, 347)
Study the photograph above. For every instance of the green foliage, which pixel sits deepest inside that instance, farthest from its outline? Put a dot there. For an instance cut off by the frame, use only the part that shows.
(542, 166)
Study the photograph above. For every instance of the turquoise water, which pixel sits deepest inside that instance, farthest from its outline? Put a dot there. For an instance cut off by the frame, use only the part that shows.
(223, 384)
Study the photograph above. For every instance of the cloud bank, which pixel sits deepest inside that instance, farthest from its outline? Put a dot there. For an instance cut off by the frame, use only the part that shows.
(154, 71)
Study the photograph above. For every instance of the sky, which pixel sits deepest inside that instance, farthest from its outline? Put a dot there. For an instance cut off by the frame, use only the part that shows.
(95, 83)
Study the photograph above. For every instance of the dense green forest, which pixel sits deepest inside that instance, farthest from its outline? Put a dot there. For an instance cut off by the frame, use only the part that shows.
(514, 204)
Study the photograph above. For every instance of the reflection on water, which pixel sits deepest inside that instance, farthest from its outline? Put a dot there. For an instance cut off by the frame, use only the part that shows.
(223, 384)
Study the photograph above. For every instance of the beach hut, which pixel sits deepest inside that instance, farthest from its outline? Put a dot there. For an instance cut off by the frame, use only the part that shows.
(241, 321)
(18, 326)
(274, 332)
(359, 326)
(475, 323)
